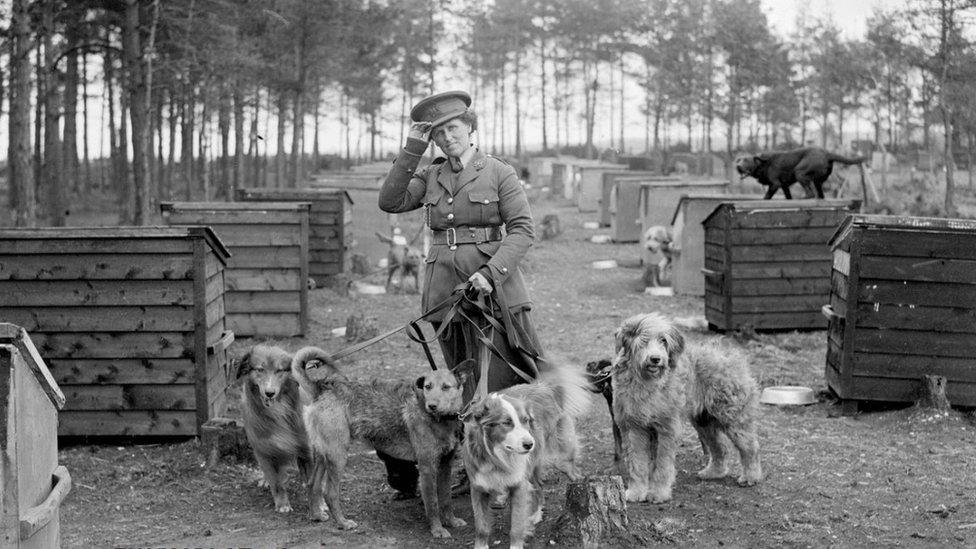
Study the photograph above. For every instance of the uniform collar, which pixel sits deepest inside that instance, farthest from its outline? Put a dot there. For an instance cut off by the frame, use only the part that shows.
(458, 164)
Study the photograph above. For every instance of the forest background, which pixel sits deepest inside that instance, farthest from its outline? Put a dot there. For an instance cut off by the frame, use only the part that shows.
(139, 101)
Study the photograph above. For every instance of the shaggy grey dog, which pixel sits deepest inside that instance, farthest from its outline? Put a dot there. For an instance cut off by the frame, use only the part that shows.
(656, 381)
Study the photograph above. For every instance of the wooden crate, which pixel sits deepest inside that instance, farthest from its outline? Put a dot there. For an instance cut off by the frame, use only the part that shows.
(589, 184)
(130, 320)
(902, 305)
(266, 292)
(562, 179)
(330, 241)
(767, 263)
(33, 484)
(657, 202)
(689, 238)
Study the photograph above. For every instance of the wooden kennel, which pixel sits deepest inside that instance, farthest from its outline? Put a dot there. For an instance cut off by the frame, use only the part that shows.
(624, 211)
(902, 305)
(33, 484)
(607, 180)
(330, 219)
(589, 184)
(767, 262)
(130, 321)
(266, 279)
(659, 198)
(689, 239)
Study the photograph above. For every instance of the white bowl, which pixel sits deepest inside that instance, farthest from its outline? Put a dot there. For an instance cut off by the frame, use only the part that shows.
(786, 395)
(604, 264)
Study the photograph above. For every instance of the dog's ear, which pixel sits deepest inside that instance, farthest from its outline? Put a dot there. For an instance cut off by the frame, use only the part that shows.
(244, 365)
(675, 345)
(420, 382)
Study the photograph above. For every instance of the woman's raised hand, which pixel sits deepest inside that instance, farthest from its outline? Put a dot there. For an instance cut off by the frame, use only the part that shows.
(419, 130)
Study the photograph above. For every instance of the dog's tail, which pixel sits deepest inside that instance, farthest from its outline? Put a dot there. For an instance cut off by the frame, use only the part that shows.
(303, 359)
(571, 384)
(844, 160)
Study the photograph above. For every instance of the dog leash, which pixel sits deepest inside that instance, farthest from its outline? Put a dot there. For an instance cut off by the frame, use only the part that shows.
(452, 303)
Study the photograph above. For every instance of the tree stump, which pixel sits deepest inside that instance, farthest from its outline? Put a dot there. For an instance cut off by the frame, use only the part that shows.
(221, 437)
(551, 227)
(360, 328)
(595, 512)
(932, 395)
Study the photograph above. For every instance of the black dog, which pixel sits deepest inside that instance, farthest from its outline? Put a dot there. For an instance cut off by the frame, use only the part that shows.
(779, 170)
(599, 374)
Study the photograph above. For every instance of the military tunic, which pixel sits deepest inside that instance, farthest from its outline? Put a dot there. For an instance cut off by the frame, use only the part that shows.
(484, 193)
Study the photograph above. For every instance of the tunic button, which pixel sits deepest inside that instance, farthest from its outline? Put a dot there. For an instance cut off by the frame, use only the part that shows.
(486, 201)
(450, 216)
(454, 247)
(504, 269)
(450, 200)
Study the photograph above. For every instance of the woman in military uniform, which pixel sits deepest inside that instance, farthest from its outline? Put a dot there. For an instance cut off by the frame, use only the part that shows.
(481, 228)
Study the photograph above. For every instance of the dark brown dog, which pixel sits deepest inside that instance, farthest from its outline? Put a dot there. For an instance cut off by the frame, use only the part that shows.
(778, 170)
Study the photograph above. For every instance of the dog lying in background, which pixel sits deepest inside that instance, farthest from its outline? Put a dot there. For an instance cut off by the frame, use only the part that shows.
(778, 170)
(509, 437)
(656, 380)
(407, 420)
(273, 419)
(403, 261)
(659, 239)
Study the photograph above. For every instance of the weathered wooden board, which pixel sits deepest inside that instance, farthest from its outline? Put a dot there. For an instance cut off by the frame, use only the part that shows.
(122, 371)
(270, 324)
(791, 252)
(129, 397)
(128, 423)
(913, 342)
(916, 293)
(913, 366)
(250, 280)
(780, 236)
(96, 267)
(921, 244)
(780, 269)
(115, 345)
(919, 268)
(254, 257)
(776, 288)
(68, 293)
(912, 317)
(265, 302)
(259, 235)
(106, 319)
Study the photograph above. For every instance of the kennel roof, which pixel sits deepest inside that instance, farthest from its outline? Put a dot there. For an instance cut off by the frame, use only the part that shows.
(807, 204)
(904, 223)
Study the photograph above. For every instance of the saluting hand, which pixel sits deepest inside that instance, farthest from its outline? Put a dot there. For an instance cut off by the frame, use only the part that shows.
(419, 130)
(480, 283)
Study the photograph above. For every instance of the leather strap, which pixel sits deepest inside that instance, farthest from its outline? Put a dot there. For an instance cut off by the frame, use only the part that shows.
(465, 235)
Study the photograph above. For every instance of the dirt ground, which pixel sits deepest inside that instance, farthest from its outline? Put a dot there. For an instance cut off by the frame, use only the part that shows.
(887, 477)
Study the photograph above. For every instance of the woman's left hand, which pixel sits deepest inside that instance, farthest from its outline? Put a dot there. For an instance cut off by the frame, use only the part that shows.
(480, 283)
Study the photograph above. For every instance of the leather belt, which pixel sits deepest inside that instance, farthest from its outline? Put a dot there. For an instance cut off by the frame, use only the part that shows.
(465, 235)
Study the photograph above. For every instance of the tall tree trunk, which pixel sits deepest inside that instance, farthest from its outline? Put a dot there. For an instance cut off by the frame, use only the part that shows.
(39, 119)
(622, 109)
(252, 152)
(543, 99)
(518, 107)
(86, 154)
(204, 145)
(70, 146)
(53, 167)
(238, 178)
(21, 174)
(138, 83)
(280, 167)
(223, 127)
(316, 119)
(159, 162)
(113, 148)
(173, 117)
(125, 187)
(298, 140)
(187, 108)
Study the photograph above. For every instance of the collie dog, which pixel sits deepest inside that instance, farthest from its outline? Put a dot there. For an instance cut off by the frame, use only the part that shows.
(510, 436)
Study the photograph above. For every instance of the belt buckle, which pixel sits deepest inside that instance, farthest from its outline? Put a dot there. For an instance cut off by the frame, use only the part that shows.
(449, 233)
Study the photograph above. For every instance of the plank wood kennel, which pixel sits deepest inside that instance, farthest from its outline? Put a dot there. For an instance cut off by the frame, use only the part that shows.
(330, 238)
(902, 305)
(267, 273)
(130, 321)
(32, 484)
(767, 263)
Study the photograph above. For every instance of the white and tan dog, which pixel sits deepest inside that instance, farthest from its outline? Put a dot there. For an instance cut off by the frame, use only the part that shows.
(509, 438)
(656, 381)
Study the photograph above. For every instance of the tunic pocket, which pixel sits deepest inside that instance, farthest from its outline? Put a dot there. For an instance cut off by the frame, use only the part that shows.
(487, 201)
